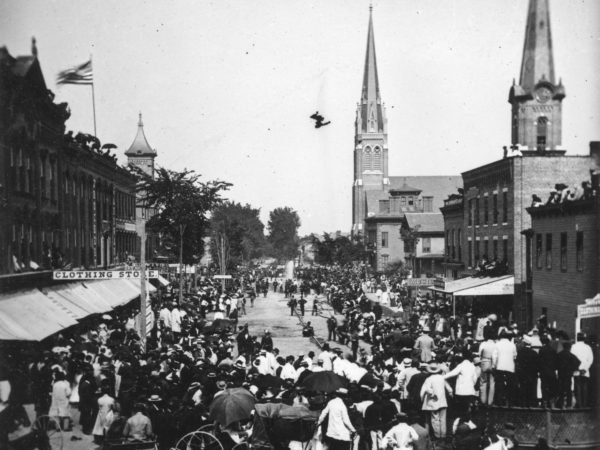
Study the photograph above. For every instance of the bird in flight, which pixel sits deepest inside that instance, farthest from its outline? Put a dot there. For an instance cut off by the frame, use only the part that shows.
(319, 120)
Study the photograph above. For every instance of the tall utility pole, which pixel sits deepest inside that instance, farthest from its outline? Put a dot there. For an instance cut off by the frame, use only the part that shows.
(181, 231)
(143, 305)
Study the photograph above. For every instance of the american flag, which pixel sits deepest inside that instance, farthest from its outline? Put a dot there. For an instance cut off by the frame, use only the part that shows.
(81, 74)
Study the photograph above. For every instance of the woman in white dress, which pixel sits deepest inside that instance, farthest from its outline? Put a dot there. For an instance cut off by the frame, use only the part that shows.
(105, 404)
(61, 390)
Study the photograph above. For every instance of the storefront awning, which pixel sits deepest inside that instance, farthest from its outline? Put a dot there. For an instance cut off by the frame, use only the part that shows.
(28, 315)
(163, 281)
(78, 299)
(478, 286)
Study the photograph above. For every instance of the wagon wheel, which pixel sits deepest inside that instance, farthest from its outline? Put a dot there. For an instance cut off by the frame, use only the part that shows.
(208, 428)
(48, 433)
(198, 440)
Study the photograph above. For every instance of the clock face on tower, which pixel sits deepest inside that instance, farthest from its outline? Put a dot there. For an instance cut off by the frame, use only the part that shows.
(543, 94)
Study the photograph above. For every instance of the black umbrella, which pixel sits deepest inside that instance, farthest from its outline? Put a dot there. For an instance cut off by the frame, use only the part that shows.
(268, 381)
(325, 381)
(232, 405)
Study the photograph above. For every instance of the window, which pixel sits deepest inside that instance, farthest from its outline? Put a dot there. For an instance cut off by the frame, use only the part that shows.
(426, 245)
(371, 237)
(563, 251)
(470, 213)
(376, 164)
(384, 239)
(384, 206)
(477, 248)
(495, 210)
(476, 212)
(549, 251)
(453, 245)
(403, 201)
(505, 249)
(459, 244)
(579, 250)
(448, 243)
(538, 251)
(427, 204)
(542, 132)
(495, 249)
(486, 249)
(411, 201)
(486, 213)
(368, 159)
(504, 207)
(470, 250)
(385, 259)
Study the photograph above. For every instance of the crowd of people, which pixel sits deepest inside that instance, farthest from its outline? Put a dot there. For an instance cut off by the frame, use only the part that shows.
(406, 380)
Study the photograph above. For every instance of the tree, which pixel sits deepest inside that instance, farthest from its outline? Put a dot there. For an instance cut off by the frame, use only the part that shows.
(342, 250)
(182, 204)
(237, 230)
(283, 232)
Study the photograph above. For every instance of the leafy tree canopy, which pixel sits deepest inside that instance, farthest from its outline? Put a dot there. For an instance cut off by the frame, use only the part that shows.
(239, 229)
(340, 250)
(182, 203)
(283, 233)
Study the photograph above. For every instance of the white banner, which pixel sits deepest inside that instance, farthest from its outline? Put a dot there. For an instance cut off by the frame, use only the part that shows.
(102, 274)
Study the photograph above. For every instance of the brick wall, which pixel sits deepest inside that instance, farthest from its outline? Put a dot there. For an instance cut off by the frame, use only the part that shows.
(562, 290)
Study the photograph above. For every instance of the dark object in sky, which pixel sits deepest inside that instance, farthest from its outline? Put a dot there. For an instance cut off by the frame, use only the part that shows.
(319, 120)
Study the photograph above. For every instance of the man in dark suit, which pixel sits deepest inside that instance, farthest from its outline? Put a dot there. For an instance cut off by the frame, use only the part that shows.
(548, 361)
(527, 366)
(567, 364)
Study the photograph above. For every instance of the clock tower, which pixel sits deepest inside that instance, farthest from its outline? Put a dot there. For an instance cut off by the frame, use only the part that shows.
(370, 138)
(537, 99)
(140, 153)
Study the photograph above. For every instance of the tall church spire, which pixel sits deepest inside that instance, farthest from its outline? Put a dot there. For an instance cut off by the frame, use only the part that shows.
(371, 118)
(537, 99)
(538, 61)
(370, 87)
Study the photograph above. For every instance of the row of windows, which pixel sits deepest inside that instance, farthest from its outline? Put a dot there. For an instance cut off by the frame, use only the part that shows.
(454, 244)
(483, 250)
(482, 212)
(396, 204)
(544, 255)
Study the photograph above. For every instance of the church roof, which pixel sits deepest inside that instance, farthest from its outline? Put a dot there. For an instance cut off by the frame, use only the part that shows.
(425, 222)
(140, 146)
(538, 61)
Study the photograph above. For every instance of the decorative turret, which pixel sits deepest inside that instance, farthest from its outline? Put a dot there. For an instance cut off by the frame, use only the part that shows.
(536, 100)
(140, 153)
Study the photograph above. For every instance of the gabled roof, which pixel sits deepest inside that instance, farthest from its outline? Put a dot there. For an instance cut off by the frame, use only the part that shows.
(140, 146)
(425, 222)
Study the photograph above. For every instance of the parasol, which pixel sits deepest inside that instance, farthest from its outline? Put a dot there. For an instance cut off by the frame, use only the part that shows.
(232, 406)
(325, 381)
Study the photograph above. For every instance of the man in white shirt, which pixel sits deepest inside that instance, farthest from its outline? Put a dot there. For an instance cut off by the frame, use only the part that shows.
(488, 352)
(326, 356)
(288, 371)
(339, 427)
(165, 317)
(505, 369)
(582, 376)
(176, 321)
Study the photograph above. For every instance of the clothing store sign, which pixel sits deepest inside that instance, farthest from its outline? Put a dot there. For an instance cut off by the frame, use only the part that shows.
(102, 274)
(420, 282)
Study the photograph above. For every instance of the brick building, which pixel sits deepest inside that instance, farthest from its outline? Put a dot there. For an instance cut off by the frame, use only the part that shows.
(494, 200)
(65, 201)
(379, 201)
(563, 248)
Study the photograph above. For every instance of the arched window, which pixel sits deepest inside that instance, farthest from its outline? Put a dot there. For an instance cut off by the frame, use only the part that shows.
(542, 132)
(368, 159)
(377, 159)
(372, 120)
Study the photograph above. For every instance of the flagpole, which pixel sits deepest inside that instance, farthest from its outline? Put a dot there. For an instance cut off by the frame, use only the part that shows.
(93, 99)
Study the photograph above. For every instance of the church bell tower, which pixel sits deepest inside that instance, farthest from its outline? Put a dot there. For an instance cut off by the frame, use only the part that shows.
(140, 153)
(370, 138)
(537, 99)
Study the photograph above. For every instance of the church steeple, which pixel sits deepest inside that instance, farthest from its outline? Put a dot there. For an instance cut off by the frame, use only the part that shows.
(538, 62)
(371, 114)
(537, 99)
(370, 150)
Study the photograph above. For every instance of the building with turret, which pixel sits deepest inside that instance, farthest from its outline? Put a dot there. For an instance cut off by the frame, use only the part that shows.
(379, 200)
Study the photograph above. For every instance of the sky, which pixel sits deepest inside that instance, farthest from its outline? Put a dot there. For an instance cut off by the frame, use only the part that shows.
(227, 87)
